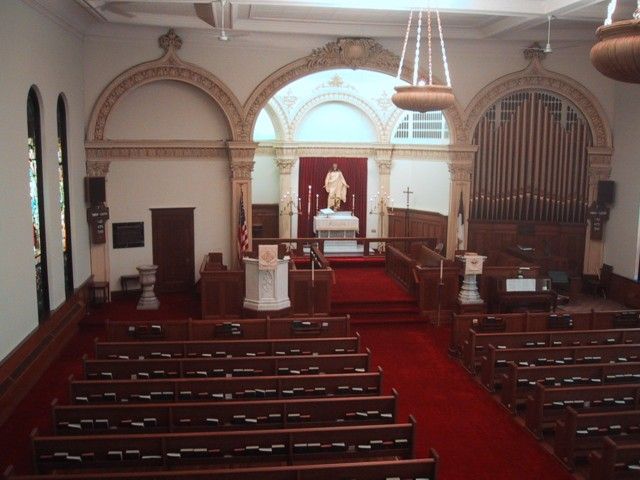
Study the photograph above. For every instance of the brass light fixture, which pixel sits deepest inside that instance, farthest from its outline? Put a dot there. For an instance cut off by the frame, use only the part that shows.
(422, 95)
(617, 52)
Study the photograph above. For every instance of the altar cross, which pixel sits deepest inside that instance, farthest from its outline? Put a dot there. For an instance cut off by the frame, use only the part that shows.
(408, 192)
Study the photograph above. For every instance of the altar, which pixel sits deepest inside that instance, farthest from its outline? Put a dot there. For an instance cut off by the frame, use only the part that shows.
(341, 226)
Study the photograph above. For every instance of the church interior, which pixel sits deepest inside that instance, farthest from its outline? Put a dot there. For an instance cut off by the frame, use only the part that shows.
(320, 239)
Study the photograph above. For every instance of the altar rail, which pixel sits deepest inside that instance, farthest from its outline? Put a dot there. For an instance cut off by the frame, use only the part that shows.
(371, 244)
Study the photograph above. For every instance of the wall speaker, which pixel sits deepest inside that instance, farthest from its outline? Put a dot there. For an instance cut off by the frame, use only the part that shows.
(606, 192)
(95, 192)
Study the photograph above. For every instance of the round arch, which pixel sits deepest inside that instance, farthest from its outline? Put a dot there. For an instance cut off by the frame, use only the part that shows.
(535, 76)
(167, 67)
(363, 53)
(349, 99)
(393, 121)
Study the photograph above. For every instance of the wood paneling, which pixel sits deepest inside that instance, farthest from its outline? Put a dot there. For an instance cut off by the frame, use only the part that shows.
(265, 220)
(222, 293)
(417, 223)
(558, 246)
(23, 367)
(307, 298)
(625, 291)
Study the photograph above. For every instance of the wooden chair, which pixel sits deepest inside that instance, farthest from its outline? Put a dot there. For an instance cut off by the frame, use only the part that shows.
(599, 284)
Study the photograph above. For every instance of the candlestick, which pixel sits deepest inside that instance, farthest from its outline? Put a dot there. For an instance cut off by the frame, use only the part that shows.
(309, 202)
(298, 203)
(441, 265)
(353, 202)
(317, 199)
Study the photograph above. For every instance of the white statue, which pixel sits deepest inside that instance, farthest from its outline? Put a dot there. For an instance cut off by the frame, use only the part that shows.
(336, 186)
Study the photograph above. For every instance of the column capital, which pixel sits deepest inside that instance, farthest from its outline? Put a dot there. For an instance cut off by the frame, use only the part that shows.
(97, 168)
(286, 157)
(461, 162)
(383, 158)
(241, 155)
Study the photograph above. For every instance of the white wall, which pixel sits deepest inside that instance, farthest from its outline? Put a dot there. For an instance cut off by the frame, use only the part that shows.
(336, 122)
(429, 180)
(265, 184)
(135, 187)
(35, 50)
(621, 231)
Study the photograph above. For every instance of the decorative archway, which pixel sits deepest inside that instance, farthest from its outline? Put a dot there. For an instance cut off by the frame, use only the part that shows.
(167, 67)
(536, 77)
(363, 53)
(352, 100)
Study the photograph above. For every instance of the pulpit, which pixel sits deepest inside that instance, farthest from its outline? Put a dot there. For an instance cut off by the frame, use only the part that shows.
(267, 281)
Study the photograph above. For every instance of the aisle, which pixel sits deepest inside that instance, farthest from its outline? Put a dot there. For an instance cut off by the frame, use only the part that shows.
(475, 437)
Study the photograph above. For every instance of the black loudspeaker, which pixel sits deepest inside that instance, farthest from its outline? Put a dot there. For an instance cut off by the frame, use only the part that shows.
(95, 192)
(606, 192)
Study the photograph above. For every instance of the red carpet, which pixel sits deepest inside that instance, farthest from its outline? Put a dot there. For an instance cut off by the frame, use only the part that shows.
(475, 438)
(368, 293)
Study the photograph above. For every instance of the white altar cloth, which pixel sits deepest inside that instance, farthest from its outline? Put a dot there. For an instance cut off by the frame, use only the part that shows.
(339, 221)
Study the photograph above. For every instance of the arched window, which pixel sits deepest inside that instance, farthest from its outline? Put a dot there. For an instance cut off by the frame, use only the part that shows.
(63, 187)
(34, 158)
(424, 128)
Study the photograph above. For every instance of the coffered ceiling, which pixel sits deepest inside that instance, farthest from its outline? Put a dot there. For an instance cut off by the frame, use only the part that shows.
(466, 19)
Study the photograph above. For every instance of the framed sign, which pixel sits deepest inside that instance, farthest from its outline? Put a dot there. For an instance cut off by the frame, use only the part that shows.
(128, 235)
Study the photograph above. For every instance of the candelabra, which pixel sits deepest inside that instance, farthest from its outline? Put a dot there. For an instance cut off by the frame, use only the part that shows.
(381, 205)
(290, 208)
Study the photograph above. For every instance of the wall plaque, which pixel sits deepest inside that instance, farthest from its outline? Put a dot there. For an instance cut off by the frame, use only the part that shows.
(128, 235)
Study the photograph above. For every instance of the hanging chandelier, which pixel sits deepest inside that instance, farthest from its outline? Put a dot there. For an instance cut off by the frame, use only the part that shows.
(617, 52)
(422, 95)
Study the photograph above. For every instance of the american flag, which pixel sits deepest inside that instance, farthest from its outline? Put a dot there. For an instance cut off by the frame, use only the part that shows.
(243, 234)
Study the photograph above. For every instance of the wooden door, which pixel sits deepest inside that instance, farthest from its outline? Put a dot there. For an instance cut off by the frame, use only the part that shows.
(173, 248)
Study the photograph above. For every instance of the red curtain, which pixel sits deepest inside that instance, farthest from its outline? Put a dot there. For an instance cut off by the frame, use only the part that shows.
(313, 170)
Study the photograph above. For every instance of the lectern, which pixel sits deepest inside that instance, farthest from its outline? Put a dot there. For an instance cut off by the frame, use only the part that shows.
(267, 281)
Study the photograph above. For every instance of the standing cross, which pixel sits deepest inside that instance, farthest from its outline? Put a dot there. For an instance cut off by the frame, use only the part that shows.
(408, 192)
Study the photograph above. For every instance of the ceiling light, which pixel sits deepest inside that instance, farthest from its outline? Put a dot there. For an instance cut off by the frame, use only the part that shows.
(422, 95)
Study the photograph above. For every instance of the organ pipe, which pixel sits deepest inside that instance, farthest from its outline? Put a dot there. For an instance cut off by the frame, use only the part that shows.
(532, 161)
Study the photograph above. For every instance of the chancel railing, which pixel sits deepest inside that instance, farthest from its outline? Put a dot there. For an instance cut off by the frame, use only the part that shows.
(371, 245)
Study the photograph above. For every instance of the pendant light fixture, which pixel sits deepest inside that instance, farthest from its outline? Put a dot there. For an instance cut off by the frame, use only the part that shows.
(423, 95)
(617, 52)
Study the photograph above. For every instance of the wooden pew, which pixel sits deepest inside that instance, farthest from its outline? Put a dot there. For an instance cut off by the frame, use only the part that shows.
(546, 404)
(228, 348)
(576, 434)
(519, 381)
(613, 460)
(476, 343)
(539, 322)
(412, 469)
(224, 367)
(180, 417)
(224, 389)
(240, 329)
(497, 359)
(164, 451)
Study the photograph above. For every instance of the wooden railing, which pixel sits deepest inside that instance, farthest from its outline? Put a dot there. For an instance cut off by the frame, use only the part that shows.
(400, 266)
(372, 245)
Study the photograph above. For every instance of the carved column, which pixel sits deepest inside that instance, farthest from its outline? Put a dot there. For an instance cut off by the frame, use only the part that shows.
(599, 169)
(100, 267)
(241, 161)
(286, 158)
(383, 160)
(461, 171)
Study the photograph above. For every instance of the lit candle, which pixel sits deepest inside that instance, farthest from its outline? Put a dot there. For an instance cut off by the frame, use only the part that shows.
(317, 199)
(298, 203)
(353, 202)
(441, 266)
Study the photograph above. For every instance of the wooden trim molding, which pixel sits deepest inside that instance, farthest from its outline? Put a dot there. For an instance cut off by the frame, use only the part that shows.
(25, 364)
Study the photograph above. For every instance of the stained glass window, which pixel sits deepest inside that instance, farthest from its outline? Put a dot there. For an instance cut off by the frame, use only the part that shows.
(34, 159)
(63, 192)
